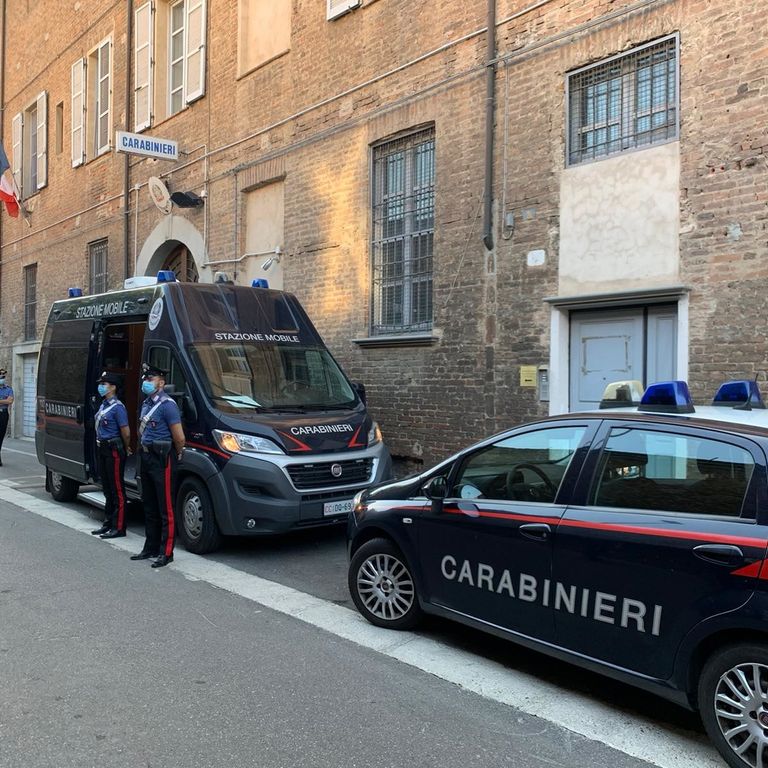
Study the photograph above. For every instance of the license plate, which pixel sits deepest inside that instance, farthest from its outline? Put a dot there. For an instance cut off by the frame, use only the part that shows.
(337, 507)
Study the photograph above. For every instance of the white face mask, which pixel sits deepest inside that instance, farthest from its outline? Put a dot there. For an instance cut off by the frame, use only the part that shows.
(2, 382)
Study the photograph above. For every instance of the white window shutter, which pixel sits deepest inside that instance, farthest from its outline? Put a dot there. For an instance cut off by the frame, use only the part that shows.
(104, 98)
(143, 68)
(78, 112)
(42, 140)
(18, 157)
(339, 7)
(195, 63)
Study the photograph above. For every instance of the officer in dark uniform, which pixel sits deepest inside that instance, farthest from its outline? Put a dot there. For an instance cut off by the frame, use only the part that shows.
(162, 446)
(6, 399)
(113, 441)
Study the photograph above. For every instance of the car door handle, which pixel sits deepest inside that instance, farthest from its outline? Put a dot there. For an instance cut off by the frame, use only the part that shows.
(719, 554)
(536, 531)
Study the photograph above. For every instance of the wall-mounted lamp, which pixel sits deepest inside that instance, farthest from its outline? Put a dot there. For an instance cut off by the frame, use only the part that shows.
(272, 259)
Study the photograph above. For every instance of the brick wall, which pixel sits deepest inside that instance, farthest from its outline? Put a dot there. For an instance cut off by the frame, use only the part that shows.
(489, 314)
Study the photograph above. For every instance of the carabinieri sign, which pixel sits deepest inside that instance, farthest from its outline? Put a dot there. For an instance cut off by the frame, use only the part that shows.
(150, 146)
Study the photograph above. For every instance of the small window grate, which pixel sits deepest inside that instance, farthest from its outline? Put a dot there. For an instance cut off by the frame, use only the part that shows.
(403, 233)
(626, 102)
(98, 254)
(30, 302)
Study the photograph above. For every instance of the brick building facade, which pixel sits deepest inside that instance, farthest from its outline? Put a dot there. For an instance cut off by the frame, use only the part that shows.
(346, 142)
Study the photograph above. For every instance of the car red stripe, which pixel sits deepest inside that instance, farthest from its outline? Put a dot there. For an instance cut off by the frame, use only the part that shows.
(119, 490)
(640, 530)
(169, 509)
(200, 447)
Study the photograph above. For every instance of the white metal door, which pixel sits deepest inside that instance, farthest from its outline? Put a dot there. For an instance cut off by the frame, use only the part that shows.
(29, 395)
(613, 345)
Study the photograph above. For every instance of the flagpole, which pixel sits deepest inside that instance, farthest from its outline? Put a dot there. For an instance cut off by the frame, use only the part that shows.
(22, 207)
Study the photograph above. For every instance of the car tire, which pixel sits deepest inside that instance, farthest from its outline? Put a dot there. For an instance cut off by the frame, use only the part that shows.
(62, 488)
(382, 585)
(738, 674)
(195, 517)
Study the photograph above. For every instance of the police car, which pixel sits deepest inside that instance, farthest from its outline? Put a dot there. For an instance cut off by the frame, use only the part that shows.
(630, 540)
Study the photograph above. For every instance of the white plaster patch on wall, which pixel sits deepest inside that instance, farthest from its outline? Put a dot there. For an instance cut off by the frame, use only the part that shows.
(620, 222)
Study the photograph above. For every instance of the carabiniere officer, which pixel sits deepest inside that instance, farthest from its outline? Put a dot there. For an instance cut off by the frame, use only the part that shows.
(6, 400)
(113, 444)
(162, 447)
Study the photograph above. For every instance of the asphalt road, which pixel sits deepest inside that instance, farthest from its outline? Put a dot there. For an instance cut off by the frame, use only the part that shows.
(104, 662)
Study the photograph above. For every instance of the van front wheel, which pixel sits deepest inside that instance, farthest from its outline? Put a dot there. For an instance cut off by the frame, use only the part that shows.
(62, 488)
(194, 514)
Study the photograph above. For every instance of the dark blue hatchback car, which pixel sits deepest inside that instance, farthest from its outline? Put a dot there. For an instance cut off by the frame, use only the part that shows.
(631, 541)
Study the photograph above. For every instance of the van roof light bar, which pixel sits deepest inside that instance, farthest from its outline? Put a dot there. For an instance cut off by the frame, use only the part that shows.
(75, 293)
(166, 276)
(260, 282)
(667, 397)
(743, 394)
(622, 394)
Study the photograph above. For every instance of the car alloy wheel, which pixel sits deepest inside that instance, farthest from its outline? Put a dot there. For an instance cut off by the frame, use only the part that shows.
(741, 709)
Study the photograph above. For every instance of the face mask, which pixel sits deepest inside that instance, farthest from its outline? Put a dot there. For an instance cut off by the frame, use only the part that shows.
(148, 388)
(2, 381)
(103, 389)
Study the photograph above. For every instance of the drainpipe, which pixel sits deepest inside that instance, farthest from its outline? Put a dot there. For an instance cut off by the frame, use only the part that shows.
(2, 123)
(490, 102)
(126, 161)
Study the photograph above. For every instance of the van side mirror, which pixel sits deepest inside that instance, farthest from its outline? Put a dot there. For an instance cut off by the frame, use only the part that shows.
(360, 389)
(436, 490)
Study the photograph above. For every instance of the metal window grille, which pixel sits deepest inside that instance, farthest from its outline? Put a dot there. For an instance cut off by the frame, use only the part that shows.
(623, 103)
(403, 233)
(30, 302)
(98, 254)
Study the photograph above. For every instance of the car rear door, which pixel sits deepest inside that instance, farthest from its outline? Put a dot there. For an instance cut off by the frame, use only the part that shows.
(487, 553)
(661, 535)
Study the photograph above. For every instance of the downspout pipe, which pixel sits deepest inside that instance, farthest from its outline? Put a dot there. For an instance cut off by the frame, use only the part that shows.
(3, 38)
(490, 107)
(126, 156)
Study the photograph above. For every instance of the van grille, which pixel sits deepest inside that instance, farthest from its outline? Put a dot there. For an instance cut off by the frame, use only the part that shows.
(321, 475)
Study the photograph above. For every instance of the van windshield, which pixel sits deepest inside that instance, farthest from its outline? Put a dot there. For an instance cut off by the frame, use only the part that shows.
(272, 376)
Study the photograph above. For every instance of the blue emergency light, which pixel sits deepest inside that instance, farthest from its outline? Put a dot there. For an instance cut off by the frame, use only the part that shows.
(260, 282)
(166, 276)
(739, 394)
(667, 397)
(75, 293)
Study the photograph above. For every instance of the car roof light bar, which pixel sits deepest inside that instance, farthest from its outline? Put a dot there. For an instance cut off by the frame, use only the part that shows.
(667, 397)
(166, 276)
(744, 394)
(622, 394)
(75, 293)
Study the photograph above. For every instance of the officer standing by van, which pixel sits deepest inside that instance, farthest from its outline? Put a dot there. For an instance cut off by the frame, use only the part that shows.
(113, 444)
(6, 399)
(162, 446)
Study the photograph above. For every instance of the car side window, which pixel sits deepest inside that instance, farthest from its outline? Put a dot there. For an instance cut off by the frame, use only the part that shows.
(644, 469)
(524, 467)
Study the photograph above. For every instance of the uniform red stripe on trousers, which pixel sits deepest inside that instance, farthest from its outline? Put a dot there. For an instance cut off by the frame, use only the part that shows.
(119, 491)
(169, 509)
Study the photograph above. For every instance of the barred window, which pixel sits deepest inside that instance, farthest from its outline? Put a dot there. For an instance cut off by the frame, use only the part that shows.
(403, 233)
(97, 266)
(623, 103)
(30, 302)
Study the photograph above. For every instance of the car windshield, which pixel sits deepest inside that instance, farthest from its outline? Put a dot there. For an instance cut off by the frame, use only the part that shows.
(254, 376)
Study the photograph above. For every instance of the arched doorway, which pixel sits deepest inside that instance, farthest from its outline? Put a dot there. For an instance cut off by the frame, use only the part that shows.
(181, 262)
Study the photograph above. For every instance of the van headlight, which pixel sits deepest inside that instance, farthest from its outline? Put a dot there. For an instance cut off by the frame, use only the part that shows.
(234, 442)
(374, 434)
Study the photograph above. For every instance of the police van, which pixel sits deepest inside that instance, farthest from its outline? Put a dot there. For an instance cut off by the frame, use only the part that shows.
(632, 541)
(277, 436)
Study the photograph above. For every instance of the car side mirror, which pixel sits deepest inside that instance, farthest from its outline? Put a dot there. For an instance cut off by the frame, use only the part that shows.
(360, 389)
(436, 490)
